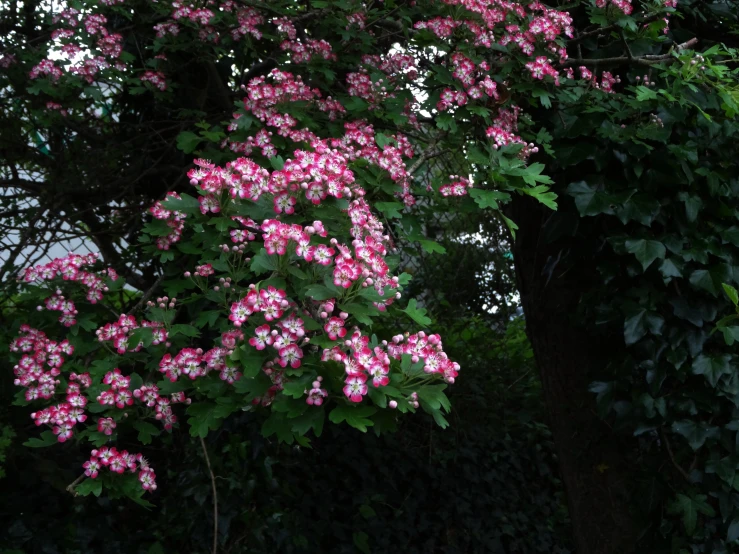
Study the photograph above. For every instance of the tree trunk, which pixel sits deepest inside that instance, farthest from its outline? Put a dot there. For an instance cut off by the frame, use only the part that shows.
(593, 464)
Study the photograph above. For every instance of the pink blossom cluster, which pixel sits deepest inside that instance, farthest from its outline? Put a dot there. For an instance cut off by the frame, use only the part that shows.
(458, 186)
(200, 16)
(119, 394)
(607, 79)
(38, 352)
(302, 51)
(167, 28)
(174, 219)
(119, 333)
(541, 67)
(442, 27)
(474, 89)
(194, 363)
(156, 78)
(71, 268)
(623, 5)
(427, 349)
(271, 302)
(249, 20)
(46, 68)
(119, 462)
(284, 338)
(503, 130)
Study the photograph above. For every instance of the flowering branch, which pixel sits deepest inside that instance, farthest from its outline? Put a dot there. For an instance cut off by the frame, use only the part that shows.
(647, 60)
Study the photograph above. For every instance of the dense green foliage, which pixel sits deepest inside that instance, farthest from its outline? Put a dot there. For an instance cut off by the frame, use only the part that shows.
(651, 232)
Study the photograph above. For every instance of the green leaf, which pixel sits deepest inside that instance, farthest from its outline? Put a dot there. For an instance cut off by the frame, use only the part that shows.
(488, 198)
(695, 433)
(712, 279)
(712, 367)
(431, 246)
(143, 335)
(204, 416)
(434, 397)
(89, 486)
(356, 416)
(646, 251)
(277, 162)
(589, 201)
(689, 507)
(263, 263)
(543, 195)
(184, 329)
(185, 204)
(732, 293)
(638, 322)
(390, 209)
(319, 292)
(417, 314)
(146, 431)
(733, 532)
(47, 439)
(361, 541)
(188, 141)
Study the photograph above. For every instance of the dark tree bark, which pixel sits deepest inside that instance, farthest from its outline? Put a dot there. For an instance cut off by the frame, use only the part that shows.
(593, 462)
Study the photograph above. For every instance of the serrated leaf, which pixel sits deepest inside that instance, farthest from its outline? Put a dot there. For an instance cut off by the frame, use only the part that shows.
(185, 204)
(355, 416)
(188, 141)
(417, 314)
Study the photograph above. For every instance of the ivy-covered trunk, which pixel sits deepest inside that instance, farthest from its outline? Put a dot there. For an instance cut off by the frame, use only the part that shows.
(593, 464)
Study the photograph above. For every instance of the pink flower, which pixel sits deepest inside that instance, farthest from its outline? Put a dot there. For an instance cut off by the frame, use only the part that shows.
(262, 338)
(355, 387)
(106, 425)
(290, 354)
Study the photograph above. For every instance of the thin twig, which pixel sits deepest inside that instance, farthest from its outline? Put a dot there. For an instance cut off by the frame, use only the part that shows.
(646, 60)
(215, 497)
(672, 457)
(73, 484)
(146, 295)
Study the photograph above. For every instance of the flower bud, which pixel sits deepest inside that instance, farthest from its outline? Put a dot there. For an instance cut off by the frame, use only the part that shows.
(393, 404)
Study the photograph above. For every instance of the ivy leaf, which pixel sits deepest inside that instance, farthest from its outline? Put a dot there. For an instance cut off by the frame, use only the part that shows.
(712, 368)
(712, 279)
(696, 434)
(646, 251)
(638, 322)
(690, 507)
(356, 416)
(417, 314)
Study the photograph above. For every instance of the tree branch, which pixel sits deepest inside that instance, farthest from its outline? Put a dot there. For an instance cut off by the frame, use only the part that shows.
(215, 498)
(646, 60)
